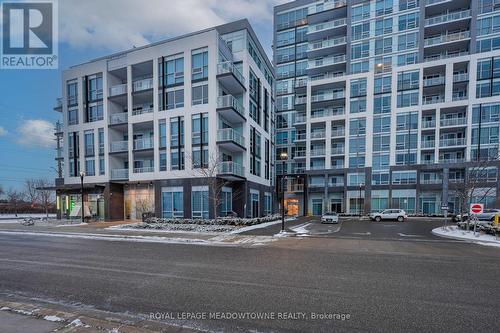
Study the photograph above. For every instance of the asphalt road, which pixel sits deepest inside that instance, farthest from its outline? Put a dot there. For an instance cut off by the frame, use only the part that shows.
(382, 285)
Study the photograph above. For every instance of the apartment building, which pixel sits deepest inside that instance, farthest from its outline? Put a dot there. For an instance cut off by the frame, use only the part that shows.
(386, 103)
(178, 128)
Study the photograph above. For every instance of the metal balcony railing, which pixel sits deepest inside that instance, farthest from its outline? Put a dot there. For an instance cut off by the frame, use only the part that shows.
(428, 144)
(434, 81)
(318, 134)
(460, 77)
(325, 5)
(338, 132)
(327, 96)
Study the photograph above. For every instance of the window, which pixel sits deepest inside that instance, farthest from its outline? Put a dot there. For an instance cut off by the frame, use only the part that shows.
(72, 91)
(254, 112)
(355, 179)
(358, 88)
(407, 59)
(360, 12)
(408, 41)
(357, 126)
(383, 45)
(163, 161)
(383, 7)
(172, 199)
(358, 105)
(381, 143)
(360, 31)
(162, 126)
(407, 98)
(404, 177)
(361, 50)
(174, 71)
(406, 141)
(488, 76)
(381, 124)
(175, 98)
(382, 104)
(408, 4)
(285, 38)
(89, 143)
(357, 145)
(199, 64)
(382, 84)
(291, 18)
(383, 26)
(485, 113)
(199, 202)
(199, 140)
(95, 112)
(267, 203)
(100, 137)
(407, 121)
(94, 87)
(102, 168)
(226, 202)
(408, 80)
(177, 143)
(90, 167)
(360, 67)
(408, 21)
(73, 116)
(285, 54)
(200, 94)
(255, 152)
(381, 162)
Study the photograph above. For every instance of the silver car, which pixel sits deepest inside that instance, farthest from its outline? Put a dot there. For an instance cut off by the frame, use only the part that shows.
(330, 217)
(389, 214)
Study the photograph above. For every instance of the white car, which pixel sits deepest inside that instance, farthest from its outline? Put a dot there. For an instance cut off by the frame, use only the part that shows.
(389, 214)
(330, 218)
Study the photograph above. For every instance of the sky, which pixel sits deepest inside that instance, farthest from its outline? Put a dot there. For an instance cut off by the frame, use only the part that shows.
(87, 30)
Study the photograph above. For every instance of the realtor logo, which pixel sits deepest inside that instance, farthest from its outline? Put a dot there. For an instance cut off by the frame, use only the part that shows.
(29, 35)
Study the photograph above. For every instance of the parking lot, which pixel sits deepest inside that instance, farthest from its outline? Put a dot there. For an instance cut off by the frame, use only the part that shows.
(413, 229)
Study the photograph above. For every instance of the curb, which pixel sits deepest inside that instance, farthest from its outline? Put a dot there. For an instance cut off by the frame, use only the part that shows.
(466, 240)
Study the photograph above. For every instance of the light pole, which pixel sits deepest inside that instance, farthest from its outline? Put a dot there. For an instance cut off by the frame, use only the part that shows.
(359, 198)
(82, 175)
(284, 157)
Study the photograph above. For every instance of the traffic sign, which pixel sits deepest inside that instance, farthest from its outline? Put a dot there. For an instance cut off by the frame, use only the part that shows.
(444, 207)
(476, 208)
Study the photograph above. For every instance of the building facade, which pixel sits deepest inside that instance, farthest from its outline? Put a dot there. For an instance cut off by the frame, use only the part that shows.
(386, 103)
(178, 128)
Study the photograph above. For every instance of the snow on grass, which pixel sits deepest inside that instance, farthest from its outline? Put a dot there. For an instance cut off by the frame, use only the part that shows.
(5, 308)
(53, 318)
(78, 323)
(457, 233)
(20, 216)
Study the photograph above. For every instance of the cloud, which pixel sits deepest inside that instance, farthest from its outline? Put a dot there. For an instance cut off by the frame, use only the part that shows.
(36, 132)
(3, 131)
(119, 25)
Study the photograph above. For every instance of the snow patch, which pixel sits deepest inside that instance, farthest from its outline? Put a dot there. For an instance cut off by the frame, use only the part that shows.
(78, 323)
(53, 318)
(5, 308)
(456, 233)
(24, 312)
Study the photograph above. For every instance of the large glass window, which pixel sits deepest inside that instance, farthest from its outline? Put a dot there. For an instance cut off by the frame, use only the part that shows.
(199, 202)
(174, 71)
(226, 202)
(199, 64)
(172, 202)
(200, 94)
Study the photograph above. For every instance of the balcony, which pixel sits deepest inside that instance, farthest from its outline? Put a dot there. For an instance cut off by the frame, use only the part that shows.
(431, 181)
(302, 136)
(319, 64)
(325, 47)
(119, 174)
(58, 106)
(300, 119)
(461, 77)
(142, 85)
(58, 128)
(144, 170)
(231, 170)
(448, 17)
(460, 121)
(295, 188)
(428, 123)
(452, 142)
(435, 2)
(59, 154)
(328, 96)
(432, 99)
(317, 135)
(446, 55)
(118, 118)
(117, 90)
(324, 28)
(451, 160)
(338, 150)
(446, 38)
(428, 144)
(140, 111)
(300, 154)
(434, 81)
(300, 83)
(327, 112)
(339, 132)
(231, 109)
(231, 140)
(325, 5)
(300, 100)
(231, 78)
(459, 95)
(118, 147)
(142, 144)
(317, 152)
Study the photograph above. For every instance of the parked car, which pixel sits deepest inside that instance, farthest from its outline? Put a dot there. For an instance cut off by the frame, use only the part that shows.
(487, 215)
(389, 214)
(330, 217)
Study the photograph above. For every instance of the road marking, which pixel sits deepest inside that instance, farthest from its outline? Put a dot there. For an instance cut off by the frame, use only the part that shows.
(405, 235)
(362, 233)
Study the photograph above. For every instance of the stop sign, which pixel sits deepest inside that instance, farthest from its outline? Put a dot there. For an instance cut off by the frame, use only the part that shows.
(476, 208)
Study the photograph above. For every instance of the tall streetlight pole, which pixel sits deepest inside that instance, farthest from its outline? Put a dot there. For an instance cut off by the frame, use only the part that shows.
(284, 157)
(359, 198)
(82, 175)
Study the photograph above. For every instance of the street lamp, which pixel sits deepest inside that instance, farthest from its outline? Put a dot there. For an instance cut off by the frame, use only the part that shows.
(283, 157)
(82, 175)
(359, 198)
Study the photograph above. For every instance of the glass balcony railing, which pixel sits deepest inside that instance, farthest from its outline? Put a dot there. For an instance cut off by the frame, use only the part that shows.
(141, 85)
(118, 146)
(338, 150)
(228, 101)
(448, 17)
(138, 111)
(228, 67)
(299, 119)
(453, 121)
(328, 96)
(326, 61)
(229, 134)
(58, 103)
(119, 174)
(446, 55)
(318, 134)
(231, 168)
(446, 38)
(428, 144)
(118, 118)
(300, 153)
(326, 25)
(325, 5)
(144, 169)
(119, 89)
(338, 132)
(451, 160)
(432, 99)
(327, 112)
(300, 100)
(460, 77)
(146, 143)
(428, 123)
(318, 152)
(452, 142)
(434, 81)
(326, 43)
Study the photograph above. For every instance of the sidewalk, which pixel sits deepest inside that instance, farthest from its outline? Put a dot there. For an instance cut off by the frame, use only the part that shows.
(102, 231)
(29, 317)
(454, 232)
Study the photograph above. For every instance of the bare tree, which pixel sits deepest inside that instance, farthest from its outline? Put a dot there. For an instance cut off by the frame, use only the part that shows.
(45, 194)
(475, 184)
(32, 194)
(210, 172)
(2, 192)
(14, 197)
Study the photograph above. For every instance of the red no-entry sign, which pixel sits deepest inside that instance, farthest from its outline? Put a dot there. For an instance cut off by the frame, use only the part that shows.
(476, 208)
